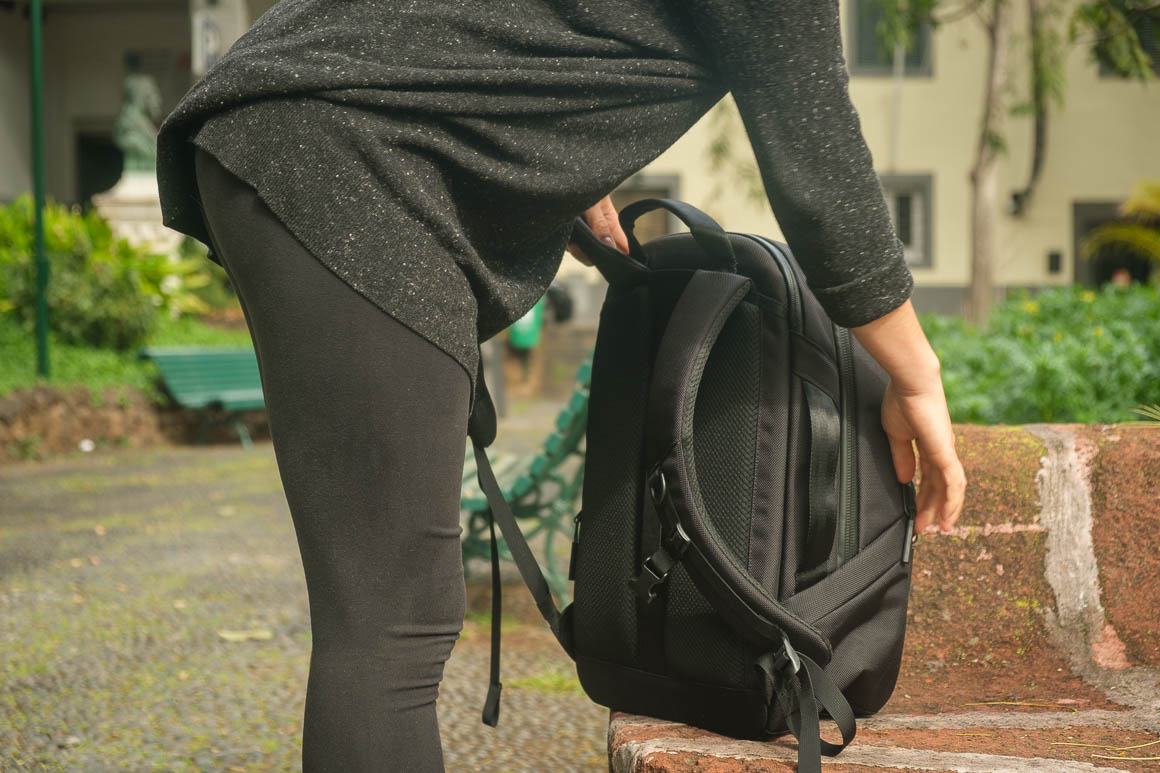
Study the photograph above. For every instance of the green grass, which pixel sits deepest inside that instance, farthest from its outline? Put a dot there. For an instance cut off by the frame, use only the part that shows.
(101, 368)
(553, 680)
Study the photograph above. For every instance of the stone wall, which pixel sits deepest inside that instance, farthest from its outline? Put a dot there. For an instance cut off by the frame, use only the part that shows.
(1033, 632)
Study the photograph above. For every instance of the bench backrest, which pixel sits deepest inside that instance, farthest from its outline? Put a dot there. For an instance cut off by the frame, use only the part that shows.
(198, 376)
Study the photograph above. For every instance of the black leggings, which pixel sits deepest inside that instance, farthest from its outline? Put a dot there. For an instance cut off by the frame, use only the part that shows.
(369, 425)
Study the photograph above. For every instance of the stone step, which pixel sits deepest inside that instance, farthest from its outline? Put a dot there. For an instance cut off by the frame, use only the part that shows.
(1033, 624)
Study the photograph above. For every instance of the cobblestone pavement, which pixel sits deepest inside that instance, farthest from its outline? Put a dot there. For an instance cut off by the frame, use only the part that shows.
(153, 616)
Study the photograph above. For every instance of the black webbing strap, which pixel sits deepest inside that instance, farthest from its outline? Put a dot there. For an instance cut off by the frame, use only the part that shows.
(800, 685)
(825, 437)
(499, 510)
(491, 705)
(481, 429)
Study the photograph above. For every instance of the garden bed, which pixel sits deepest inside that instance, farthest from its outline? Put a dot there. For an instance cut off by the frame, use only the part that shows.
(45, 421)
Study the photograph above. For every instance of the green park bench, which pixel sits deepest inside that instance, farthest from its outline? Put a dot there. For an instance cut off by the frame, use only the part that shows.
(206, 378)
(542, 488)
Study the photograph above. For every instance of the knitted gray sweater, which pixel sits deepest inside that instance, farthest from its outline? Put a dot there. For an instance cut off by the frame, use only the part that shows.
(434, 154)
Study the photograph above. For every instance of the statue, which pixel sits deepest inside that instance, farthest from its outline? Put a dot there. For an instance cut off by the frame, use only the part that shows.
(135, 131)
(133, 206)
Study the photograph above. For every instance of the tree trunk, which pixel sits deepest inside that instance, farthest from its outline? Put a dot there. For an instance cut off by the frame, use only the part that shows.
(985, 171)
(1037, 23)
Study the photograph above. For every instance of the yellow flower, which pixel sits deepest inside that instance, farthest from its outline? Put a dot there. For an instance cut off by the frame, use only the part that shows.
(1058, 336)
(1088, 296)
(1030, 307)
(1099, 331)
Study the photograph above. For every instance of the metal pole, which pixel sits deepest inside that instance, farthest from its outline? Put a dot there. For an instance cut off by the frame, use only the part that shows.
(36, 95)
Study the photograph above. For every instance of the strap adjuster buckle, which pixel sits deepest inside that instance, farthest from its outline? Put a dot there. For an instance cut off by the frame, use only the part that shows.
(653, 571)
(657, 485)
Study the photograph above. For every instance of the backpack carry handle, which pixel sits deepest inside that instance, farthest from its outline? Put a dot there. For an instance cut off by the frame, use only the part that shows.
(709, 235)
(613, 264)
(686, 532)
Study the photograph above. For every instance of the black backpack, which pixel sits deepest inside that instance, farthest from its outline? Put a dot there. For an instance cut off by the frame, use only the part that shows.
(743, 552)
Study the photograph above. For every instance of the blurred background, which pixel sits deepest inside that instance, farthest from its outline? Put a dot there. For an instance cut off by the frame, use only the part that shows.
(1016, 144)
(153, 614)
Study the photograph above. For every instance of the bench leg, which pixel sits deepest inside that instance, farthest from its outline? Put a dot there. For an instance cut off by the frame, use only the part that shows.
(202, 427)
(243, 433)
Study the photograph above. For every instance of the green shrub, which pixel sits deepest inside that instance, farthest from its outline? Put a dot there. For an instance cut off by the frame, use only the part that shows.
(1066, 354)
(102, 290)
(70, 364)
(96, 295)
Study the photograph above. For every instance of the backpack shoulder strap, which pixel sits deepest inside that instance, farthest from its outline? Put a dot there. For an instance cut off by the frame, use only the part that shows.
(482, 430)
(687, 533)
(689, 536)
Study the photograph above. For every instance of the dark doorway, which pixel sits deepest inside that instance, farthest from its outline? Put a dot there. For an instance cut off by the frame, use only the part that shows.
(1100, 268)
(99, 164)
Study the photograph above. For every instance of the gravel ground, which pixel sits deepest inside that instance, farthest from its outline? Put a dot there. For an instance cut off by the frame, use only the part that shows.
(153, 616)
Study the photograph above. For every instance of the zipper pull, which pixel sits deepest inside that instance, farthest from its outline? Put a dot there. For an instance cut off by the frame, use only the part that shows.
(575, 542)
(909, 507)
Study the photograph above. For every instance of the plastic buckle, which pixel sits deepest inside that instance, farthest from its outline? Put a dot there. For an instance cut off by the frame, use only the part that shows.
(673, 536)
(653, 572)
(676, 540)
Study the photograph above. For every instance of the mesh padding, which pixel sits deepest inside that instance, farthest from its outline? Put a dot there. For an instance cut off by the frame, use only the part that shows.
(725, 428)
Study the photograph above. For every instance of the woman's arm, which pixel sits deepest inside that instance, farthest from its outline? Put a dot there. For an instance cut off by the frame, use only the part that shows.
(914, 408)
(783, 62)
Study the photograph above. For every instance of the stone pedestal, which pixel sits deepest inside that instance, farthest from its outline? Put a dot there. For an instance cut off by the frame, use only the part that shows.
(133, 209)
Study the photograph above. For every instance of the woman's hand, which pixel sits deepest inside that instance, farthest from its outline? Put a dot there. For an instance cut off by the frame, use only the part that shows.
(603, 221)
(922, 417)
(914, 408)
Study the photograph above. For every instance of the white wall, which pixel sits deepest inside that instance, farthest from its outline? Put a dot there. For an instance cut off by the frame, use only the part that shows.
(15, 118)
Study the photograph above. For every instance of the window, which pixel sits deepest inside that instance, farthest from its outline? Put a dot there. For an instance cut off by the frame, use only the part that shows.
(909, 199)
(867, 56)
(1147, 31)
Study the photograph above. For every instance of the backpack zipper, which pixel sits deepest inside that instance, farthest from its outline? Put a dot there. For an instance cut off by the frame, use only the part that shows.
(848, 456)
(792, 291)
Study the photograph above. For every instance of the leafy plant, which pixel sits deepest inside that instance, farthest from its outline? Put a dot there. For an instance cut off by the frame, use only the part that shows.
(1066, 354)
(102, 290)
(1149, 411)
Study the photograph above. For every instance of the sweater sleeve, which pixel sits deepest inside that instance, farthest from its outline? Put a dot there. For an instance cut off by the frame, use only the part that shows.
(782, 60)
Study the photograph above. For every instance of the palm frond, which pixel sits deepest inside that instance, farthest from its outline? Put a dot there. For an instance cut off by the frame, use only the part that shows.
(1149, 411)
(1144, 202)
(1136, 237)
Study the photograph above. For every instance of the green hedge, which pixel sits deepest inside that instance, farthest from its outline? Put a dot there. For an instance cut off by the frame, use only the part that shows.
(103, 291)
(1063, 355)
